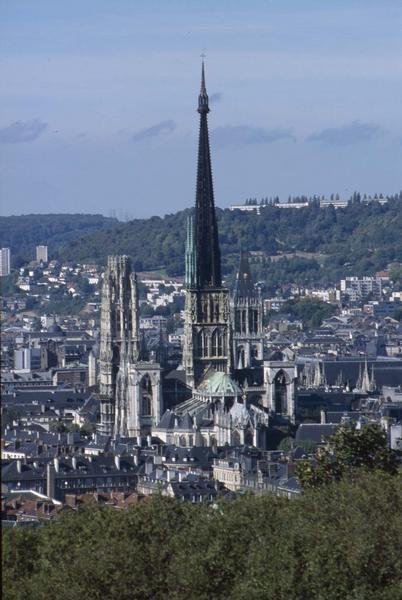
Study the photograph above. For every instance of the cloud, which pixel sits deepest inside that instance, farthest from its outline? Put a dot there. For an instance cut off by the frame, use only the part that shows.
(245, 134)
(215, 98)
(21, 131)
(348, 134)
(154, 131)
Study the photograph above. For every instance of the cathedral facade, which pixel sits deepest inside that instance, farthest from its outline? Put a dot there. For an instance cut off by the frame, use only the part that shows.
(233, 389)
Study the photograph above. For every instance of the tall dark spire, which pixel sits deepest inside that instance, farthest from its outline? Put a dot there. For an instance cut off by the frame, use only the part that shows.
(206, 231)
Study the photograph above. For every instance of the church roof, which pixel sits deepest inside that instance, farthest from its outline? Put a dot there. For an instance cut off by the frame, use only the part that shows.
(244, 287)
(220, 384)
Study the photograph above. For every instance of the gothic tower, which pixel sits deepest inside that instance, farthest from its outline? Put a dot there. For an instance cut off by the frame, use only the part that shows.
(120, 342)
(207, 342)
(247, 308)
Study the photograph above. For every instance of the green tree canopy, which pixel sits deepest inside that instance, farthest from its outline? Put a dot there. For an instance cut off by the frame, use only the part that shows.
(334, 542)
(349, 451)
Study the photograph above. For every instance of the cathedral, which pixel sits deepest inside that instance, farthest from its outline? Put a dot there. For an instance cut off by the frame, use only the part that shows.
(234, 390)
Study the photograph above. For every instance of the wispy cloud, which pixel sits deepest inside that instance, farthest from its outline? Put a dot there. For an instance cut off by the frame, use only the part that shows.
(246, 134)
(215, 98)
(348, 134)
(22, 131)
(154, 131)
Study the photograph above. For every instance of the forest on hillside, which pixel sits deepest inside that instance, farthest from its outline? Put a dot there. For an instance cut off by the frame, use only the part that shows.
(23, 233)
(307, 245)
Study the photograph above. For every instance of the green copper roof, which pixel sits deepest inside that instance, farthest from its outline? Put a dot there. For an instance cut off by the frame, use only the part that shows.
(220, 384)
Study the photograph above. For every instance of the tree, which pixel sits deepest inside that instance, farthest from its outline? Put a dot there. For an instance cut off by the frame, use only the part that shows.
(349, 451)
(340, 541)
(146, 310)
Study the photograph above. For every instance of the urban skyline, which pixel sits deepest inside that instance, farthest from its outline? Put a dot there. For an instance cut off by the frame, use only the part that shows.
(208, 404)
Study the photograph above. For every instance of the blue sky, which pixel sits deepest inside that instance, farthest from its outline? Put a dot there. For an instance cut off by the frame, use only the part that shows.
(99, 97)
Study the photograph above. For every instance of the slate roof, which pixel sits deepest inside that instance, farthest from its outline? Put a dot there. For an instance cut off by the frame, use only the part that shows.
(315, 432)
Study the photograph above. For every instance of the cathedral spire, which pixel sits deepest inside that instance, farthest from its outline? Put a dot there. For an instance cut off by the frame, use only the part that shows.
(206, 231)
(190, 271)
(203, 97)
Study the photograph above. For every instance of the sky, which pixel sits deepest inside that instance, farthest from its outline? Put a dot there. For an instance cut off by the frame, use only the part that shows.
(98, 101)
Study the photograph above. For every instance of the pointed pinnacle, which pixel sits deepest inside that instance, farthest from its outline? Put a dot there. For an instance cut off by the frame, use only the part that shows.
(203, 87)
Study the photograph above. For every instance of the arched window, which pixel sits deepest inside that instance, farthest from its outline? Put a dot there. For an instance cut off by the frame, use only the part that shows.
(240, 358)
(146, 409)
(236, 438)
(214, 345)
(221, 344)
(199, 343)
(280, 393)
(237, 321)
(217, 312)
(248, 437)
(146, 396)
(244, 321)
(204, 344)
(255, 321)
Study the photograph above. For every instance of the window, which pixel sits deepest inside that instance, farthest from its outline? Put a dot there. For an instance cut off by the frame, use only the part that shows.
(214, 349)
(146, 396)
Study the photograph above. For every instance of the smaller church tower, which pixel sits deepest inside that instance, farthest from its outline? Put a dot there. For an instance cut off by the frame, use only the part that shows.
(119, 341)
(247, 310)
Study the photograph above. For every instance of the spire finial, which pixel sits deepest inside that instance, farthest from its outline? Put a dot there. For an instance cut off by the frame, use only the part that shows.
(203, 97)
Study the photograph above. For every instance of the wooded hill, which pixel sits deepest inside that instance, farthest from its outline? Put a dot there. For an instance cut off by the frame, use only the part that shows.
(23, 233)
(304, 245)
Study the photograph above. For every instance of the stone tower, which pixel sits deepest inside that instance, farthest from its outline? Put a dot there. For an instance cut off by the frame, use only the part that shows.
(247, 309)
(120, 342)
(207, 332)
(130, 387)
(280, 377)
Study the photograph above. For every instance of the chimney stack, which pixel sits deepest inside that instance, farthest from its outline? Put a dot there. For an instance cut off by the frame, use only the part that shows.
(117, 461)
(50, 481)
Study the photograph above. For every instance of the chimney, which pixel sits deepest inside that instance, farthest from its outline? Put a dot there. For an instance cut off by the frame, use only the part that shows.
(56, 464)
(74, 462)
(149, 440)
(117, 462)
(19, 465)
(135, 459)
(50, 481)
